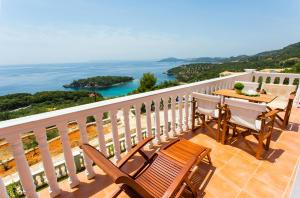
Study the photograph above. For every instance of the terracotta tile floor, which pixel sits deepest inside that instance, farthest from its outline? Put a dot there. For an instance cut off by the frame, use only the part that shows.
(235, 171)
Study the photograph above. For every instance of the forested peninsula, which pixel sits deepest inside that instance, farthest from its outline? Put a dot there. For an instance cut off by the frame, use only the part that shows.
(98, 82)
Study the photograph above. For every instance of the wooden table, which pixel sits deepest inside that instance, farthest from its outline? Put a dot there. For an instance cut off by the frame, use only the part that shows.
(232, 94)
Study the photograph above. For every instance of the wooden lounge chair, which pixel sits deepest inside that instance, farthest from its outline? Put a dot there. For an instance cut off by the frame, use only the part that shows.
(247, 118)
(207, 105)
(159, 176)
(284, 101)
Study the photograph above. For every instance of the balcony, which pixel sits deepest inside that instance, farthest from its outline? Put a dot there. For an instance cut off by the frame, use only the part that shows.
(235, 171)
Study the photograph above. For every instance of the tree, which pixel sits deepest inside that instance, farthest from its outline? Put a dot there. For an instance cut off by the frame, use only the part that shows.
(147, 82)
(297, 67)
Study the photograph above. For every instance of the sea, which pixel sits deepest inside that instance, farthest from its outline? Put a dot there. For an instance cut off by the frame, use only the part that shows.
(32, 78)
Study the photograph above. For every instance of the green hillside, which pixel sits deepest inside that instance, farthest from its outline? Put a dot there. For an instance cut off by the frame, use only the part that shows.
(287, 57)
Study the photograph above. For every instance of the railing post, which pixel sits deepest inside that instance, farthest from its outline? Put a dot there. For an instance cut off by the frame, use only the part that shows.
(186, 108)
(173, 110)
(101, 137)
(49, 169)
(84, 140)
(138, 122)
(166, 119)
(22, 166)
(115, 134)
(149, 126)
(157, 121)
(3, 192)
(68, 155)
(180, 113)
(127, 128)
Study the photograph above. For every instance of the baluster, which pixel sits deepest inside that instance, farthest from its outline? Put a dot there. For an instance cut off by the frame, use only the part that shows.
(101, 137)
(281, 80)
(22, 165)
(186, 108)
(173, 110)
(166, 112)
(3, 192)
(180, 113)
(114, 127)
(149, 126)
(291, 81)
(138, 122)
(272, 80)
(157, 121)
(84, 140)
(127, 128)
(49, 169)
(68, 155)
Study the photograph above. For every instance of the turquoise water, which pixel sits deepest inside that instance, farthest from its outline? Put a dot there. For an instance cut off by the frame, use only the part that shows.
(46, 77)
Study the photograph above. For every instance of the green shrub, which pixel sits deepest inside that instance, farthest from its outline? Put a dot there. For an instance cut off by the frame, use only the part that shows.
(239, 86)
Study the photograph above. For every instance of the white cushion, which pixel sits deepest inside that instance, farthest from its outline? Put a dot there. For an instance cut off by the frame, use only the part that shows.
(281, 91)
(278, 103)
(255, 127)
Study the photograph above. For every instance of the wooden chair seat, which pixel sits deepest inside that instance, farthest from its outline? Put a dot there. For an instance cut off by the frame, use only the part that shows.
(157, 178)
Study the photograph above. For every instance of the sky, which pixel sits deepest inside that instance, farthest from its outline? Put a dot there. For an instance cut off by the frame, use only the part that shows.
(58, 31)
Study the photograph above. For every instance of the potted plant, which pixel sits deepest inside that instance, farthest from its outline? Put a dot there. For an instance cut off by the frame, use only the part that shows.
(239, 87)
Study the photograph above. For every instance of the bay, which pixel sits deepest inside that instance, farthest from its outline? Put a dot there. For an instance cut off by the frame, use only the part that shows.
(48, 77)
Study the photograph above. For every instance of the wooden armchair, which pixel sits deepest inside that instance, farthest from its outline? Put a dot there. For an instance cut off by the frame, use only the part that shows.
(159, 176)
(284, 101)
(207, 105)
(246, 118)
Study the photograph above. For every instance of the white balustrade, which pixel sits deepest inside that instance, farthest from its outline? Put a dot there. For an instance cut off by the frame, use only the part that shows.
(101, 137)
(127, 128)
(22, 165)
(157, 121)
(186, 108)
(173, 112)
(63, 131)
(166, 119)
(138, 122)
(41, 138)
(149, 125)
(180, 114)
(115, 134)
(84, 140)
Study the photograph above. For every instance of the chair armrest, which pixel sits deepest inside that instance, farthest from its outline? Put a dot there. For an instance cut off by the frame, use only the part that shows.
(134, 150)
(270, 114)
(292, 96)
(179, 179)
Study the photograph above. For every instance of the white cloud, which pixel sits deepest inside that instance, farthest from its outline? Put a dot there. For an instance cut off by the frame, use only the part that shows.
(30, 44)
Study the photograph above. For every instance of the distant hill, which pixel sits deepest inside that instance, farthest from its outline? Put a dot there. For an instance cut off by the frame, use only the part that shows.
(287, 57)
(172, 59)
(194, 60)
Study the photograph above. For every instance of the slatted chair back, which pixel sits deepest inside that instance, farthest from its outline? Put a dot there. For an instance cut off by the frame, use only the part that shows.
(249, 85)
(117, 175)
(207, 104)
(245, 113)
(281, 91)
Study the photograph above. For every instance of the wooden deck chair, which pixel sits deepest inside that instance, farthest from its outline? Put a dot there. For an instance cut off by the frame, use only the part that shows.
(159, 176)
(249, 85)
(284, 101)
(247, 118)
(207, 105)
